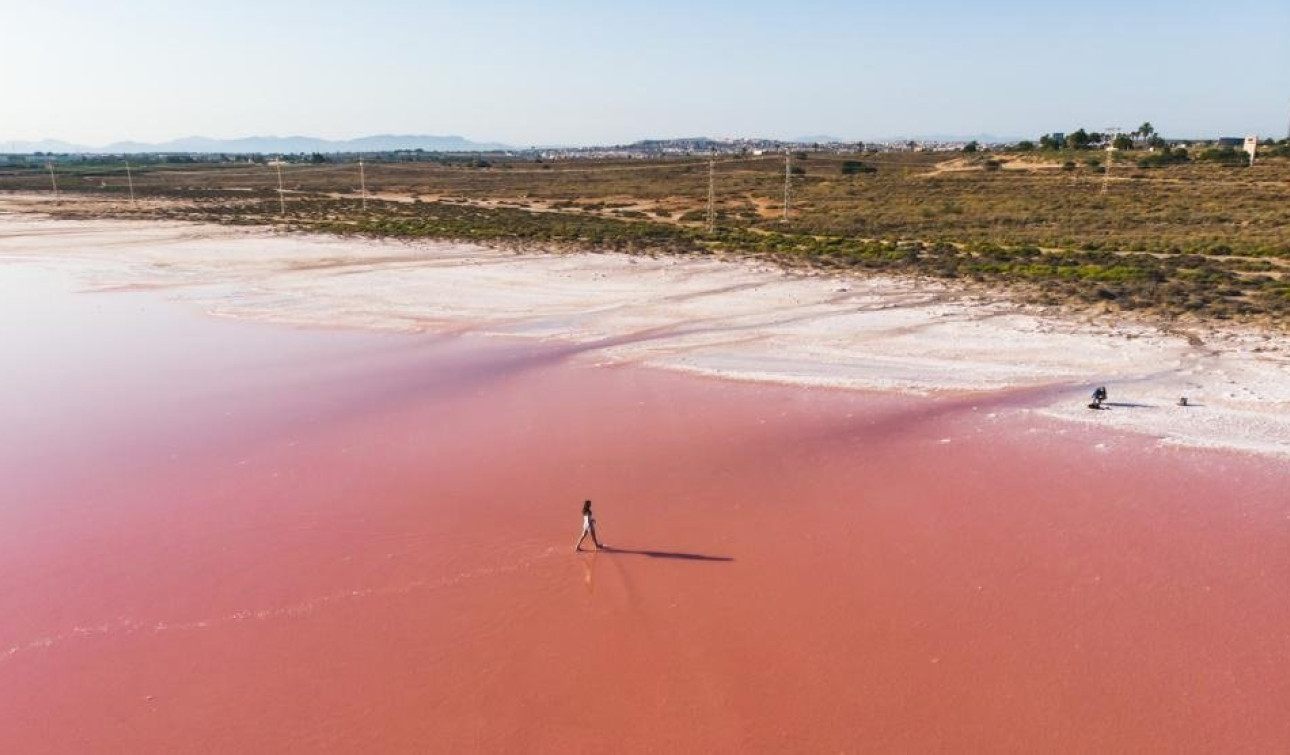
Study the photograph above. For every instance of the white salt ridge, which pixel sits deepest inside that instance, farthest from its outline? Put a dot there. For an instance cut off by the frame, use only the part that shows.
(735, 319)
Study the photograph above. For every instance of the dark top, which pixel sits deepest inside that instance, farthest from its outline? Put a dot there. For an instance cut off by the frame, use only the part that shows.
(586, 508)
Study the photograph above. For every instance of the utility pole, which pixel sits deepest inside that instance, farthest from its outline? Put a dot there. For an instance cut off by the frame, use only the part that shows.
(282, 197)
(362, 182)
(129, 179)
(712, 193)
(53, 180)
(1106, 175)
(788, 178)
(1111, 132)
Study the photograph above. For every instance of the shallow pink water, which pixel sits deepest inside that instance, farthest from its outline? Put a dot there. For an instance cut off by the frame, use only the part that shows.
(229, 536)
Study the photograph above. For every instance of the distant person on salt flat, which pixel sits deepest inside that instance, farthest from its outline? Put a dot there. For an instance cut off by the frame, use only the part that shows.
(1099, 395)
(588, 527)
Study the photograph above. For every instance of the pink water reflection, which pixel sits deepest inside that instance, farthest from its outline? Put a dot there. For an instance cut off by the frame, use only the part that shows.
(230, 536)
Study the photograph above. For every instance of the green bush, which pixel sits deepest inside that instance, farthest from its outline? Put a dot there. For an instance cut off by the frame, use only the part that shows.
(1223, 156)
(855, 167)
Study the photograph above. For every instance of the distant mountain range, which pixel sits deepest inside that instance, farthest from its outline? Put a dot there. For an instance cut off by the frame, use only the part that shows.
(265, 145)
(983, 138)
(821, 139)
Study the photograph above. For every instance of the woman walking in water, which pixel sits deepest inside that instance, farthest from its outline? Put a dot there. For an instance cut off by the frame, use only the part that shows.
(588, 526)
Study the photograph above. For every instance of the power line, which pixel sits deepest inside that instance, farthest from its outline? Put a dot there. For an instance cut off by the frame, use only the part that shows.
(788, 178)
(221, 172)
(362, 182)
(1112, 132)
(282, 197)
(712, 194)
(129, 179)
(641, 165)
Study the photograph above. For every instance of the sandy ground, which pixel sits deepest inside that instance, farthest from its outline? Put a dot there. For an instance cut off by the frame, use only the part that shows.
(735, 319)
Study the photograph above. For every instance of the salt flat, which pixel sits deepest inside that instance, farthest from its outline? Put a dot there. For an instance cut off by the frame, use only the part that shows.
(733, 318)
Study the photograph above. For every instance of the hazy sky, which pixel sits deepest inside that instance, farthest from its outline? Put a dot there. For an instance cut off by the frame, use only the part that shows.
(566, 71)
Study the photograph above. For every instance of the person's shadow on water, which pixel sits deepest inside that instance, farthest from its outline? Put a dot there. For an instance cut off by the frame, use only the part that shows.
(589, 564)
(664, 554)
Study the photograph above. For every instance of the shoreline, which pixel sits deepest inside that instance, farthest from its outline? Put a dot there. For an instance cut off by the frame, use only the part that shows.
(727, 318)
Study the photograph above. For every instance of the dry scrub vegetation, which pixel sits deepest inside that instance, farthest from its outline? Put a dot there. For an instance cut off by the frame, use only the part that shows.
(1195, 239)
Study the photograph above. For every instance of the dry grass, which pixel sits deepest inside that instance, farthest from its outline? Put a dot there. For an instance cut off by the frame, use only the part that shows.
(1198, 238)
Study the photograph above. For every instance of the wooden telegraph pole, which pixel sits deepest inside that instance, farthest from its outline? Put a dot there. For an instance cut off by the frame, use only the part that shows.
(362, 182)
(282, 197)
(129, 180)
(1112, 132)
(788, 180)
(712, 193)
(53, 180)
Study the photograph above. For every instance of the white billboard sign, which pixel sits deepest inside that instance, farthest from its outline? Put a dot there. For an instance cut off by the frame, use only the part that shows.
(1251, 144)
